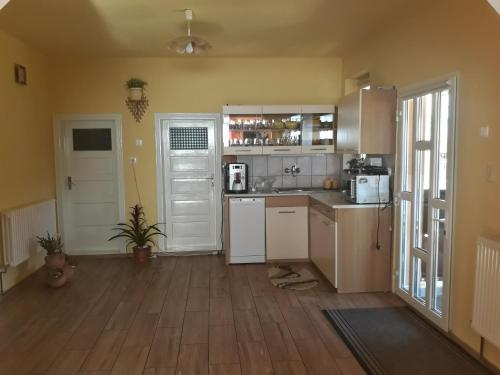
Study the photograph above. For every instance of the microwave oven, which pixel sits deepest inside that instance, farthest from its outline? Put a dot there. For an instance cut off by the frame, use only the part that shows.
(370, 189)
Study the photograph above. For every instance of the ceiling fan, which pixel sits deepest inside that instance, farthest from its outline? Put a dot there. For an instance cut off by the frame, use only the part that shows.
(189, 44)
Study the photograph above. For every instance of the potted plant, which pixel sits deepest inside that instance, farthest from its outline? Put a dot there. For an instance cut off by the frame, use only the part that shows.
(54, 246)
(135, 88)
(59, 271)
(138, 233)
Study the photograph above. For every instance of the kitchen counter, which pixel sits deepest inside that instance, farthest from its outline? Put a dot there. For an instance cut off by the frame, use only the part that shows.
(333, 199)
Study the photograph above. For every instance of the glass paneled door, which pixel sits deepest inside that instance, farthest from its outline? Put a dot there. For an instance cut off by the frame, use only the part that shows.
(424, 184)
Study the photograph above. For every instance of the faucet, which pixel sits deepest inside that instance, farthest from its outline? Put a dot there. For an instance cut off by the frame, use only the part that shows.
(293, 170)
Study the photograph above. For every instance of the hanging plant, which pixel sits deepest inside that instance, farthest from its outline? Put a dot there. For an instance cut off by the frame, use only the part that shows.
(137, 102)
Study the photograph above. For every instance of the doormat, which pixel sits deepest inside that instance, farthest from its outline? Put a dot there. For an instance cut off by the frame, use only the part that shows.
(396, 341)
(285, 277)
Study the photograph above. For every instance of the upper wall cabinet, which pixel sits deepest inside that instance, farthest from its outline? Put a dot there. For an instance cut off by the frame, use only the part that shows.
(278, 130)
(367, 122)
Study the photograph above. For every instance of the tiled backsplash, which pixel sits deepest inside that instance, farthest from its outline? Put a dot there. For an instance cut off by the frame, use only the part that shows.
(313, 169)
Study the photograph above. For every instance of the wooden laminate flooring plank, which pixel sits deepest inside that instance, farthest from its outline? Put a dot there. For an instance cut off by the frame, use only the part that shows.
(200, 276)
(222, 345)
(105, 351)
(248, 325)
(165, 348)
(87, 333)
(131, 361)
(279, 342)
(198, 299)
(142, 331)
(221, 311)
(159, 371)
(290, 368)
(316, 357)
(225, 369)
(123, 316)
(268, 309)
(172, 314)
(299, 324)
(195, 328)
(254, 358)
(193, 360)
(68, 362)
(349, 366)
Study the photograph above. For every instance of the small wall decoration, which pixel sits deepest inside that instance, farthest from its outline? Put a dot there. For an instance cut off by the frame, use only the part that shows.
(20, 74)
(137, 102)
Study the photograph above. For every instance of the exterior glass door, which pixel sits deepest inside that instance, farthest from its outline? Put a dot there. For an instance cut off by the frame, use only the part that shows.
(424, 197)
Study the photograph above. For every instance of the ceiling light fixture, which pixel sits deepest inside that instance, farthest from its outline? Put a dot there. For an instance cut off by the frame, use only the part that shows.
(188, 45)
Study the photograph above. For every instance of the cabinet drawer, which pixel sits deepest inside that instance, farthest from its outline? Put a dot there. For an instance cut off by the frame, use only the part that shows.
(327, 149)
(250, 150)
(287, 233)
(281, 150)
(288, 201)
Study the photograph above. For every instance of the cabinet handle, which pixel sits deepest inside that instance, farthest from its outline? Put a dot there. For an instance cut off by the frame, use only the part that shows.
(243, 150)
(318, 149)
(281, 149)
(286, 212)
(327, 223)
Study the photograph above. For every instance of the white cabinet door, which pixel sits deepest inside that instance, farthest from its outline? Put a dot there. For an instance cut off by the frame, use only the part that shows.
(287, 233)
(322, 242)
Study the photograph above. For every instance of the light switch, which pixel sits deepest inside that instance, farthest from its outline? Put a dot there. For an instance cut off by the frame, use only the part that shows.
(484, 131)
(139, 142)
(133, 160)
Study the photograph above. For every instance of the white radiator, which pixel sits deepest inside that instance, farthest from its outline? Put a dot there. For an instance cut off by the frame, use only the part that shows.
(486, 313)
(21, 226)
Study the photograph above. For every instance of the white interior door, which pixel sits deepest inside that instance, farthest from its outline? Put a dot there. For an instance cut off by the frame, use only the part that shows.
(188, 182)
(89, 172)
(424, 197)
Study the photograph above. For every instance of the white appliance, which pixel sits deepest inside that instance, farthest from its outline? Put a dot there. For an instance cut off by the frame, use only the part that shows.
(247, 230)
(370, 189)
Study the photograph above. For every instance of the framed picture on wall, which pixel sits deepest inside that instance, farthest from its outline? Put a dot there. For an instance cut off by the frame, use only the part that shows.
(20, 74)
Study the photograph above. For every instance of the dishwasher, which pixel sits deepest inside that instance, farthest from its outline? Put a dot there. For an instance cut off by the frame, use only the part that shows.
(247, 230)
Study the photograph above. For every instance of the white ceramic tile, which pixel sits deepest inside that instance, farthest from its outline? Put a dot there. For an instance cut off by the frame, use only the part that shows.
(274, 165)
(279, 182)
(304, 163)
(259, 166)
(318, 165)
(289, 181)
(248, 160)
(304, 181)
(288, 161)
(332, 165)
(317, 181)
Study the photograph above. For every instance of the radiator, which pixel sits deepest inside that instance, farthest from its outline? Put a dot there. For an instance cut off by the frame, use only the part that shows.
(21, 226)
(486, 311)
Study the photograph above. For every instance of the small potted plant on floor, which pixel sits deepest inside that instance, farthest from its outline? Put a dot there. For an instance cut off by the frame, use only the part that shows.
(135, 88)
(58, 270)
(138, 233)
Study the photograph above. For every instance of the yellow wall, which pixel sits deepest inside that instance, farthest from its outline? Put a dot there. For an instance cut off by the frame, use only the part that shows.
(26, 148)
(185, 85)
(435, 38)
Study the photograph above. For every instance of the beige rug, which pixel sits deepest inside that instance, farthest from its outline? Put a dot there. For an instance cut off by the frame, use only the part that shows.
(285, 277)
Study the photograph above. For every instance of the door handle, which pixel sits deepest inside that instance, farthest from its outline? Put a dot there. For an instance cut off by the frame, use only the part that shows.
(70, 182)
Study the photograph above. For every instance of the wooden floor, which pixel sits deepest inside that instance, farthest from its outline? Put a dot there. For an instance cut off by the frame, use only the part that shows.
(177, 315)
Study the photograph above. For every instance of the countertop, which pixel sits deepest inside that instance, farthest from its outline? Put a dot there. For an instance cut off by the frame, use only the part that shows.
(333, 199)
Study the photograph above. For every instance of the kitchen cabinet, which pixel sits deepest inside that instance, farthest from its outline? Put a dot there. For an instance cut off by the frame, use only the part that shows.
(367, 122)
(286, 228)
(278, 130)
(322, 244)
(360, 266)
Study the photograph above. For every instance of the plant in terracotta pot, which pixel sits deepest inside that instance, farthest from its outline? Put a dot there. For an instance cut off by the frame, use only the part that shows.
(59, 271)
(135, 88)
(138, 233)
(54, 246)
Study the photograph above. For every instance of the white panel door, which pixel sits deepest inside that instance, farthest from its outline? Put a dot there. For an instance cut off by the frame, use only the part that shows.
(187, 198)
(89, 175)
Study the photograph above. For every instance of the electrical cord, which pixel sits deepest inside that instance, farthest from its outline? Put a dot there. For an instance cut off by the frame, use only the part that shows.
(378, 246)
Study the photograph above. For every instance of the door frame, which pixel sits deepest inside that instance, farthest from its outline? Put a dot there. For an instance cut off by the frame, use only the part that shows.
(59, 148)
(160, 180)
(453, 79)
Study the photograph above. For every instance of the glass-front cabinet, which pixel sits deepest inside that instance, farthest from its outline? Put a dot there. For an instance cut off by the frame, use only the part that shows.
(283, 129)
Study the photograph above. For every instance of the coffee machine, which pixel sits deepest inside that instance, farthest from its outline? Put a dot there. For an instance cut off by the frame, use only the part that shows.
(236, 178)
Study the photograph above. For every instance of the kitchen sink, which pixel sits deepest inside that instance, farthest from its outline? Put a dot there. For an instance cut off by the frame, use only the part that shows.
(293, 190)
